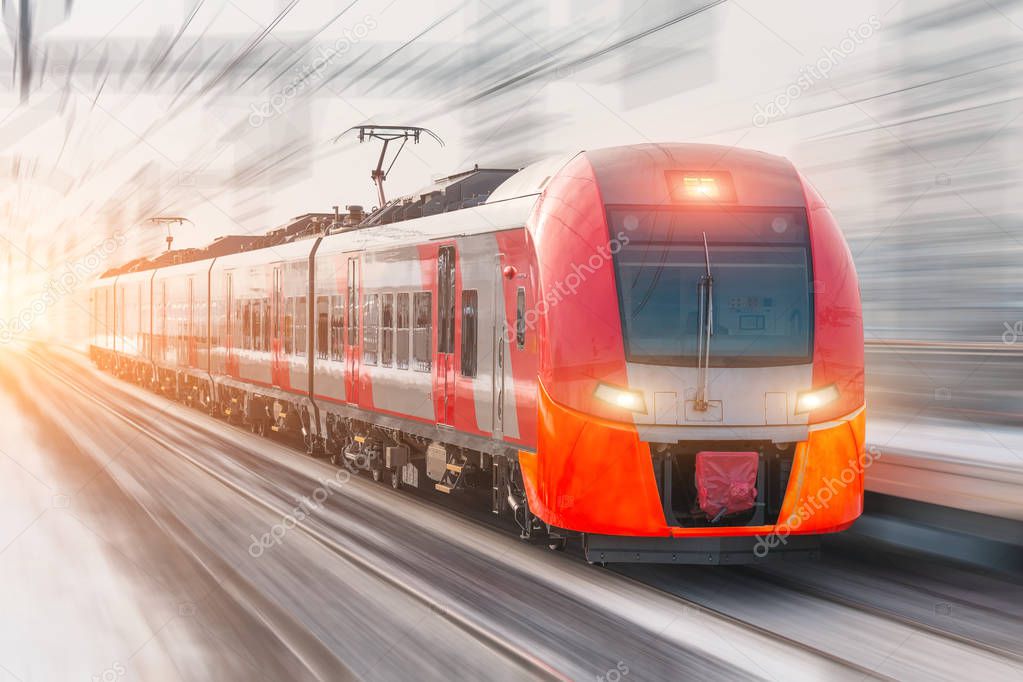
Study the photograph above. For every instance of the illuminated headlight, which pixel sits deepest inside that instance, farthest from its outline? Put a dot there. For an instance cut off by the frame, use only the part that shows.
(621, 397)
(808, 401)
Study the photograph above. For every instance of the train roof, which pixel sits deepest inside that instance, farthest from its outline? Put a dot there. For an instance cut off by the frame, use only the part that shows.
(635, 174)
(298, 228)
(445, 195)
(482, 219)
(502, 215)
(483, 200)
(530, 180)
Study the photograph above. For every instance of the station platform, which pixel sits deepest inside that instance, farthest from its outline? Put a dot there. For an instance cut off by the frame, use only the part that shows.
(965, 465)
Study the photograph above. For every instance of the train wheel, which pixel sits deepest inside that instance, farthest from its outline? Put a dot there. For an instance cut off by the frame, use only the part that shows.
(377, 475)
(396, 479)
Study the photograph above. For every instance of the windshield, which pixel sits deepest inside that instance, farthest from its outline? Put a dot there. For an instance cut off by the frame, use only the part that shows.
(760, 260)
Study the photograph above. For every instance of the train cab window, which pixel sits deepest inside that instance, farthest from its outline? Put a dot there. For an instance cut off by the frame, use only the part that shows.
(520, 318)
(289, 326)
(760, 266)
(470, 313)
(423, 331)
(386, 329)
(337, 327)
(371, 330)
(402, 329)
(301, 325)
(322, 327)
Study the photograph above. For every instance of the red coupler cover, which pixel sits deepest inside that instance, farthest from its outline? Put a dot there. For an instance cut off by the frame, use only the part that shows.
(726, 482)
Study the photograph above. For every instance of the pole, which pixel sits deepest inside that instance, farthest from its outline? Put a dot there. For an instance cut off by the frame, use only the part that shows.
(24, 48)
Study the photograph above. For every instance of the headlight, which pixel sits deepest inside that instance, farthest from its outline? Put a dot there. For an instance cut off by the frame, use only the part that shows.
(621, 397)
(812, 400)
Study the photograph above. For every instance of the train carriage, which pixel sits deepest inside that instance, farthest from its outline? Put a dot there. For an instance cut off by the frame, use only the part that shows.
(656, 347)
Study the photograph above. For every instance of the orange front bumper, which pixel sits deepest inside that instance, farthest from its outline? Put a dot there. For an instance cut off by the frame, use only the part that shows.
(596, 476)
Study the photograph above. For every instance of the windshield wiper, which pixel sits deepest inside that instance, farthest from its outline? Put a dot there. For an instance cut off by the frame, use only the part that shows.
(705, 292)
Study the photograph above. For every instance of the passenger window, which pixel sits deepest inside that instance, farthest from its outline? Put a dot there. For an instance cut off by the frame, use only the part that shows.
(371, 330)
(289, 326)
(421, 335)
(266, 324)
(246, 324)
(228, 302)
(403, 329)
(301, 325)
(353, 302)
(386, 329)
(520, 318)
(446, 300)
(337, 328)
(277, 311)
(470, 311)
(322, 327)
(257, 325)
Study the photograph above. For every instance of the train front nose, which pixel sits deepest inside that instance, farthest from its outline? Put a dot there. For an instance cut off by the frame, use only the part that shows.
(680, 395)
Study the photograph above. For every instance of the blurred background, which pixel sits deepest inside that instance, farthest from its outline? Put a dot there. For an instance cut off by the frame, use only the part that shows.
(904, 113)
(127, 519)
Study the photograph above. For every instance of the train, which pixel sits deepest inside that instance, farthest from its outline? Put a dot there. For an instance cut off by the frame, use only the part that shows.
(656, 349)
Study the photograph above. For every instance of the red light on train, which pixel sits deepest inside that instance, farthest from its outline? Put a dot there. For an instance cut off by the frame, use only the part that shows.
(700, 186)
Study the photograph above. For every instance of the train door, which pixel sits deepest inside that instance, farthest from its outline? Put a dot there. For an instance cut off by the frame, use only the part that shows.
(191, 327)
(108, 318)
(140, 335)
(352, 355)
(120, 315)
(500, 335)
(276, 361)
(444, 379)
(229, 353)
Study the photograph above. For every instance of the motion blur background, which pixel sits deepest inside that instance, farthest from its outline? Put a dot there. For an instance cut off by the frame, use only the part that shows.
(904, 113)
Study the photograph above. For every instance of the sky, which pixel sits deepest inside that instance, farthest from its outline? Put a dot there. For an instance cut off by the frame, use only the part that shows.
(225, 111)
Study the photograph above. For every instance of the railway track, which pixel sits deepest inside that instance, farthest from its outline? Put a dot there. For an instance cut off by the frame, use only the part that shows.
(820, 592)
(523, 658)
(264, 473)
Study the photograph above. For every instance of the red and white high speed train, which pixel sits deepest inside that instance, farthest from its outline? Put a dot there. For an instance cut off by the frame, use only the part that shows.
(658, 347)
